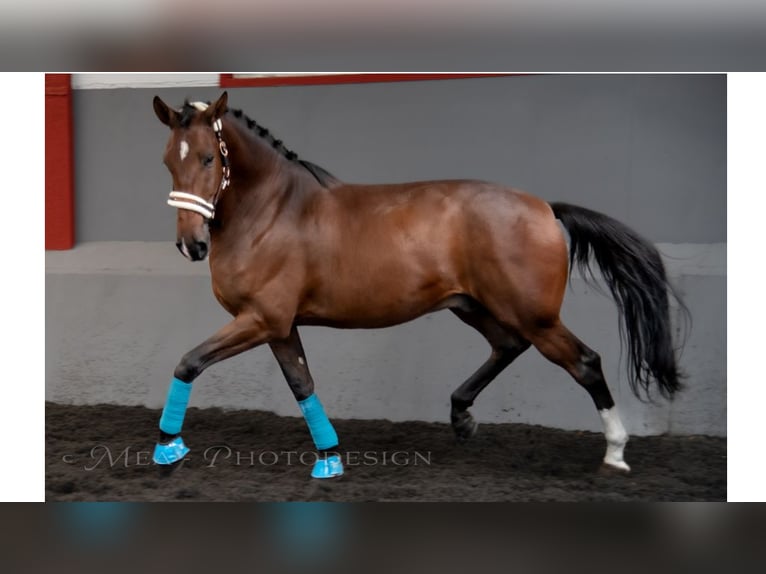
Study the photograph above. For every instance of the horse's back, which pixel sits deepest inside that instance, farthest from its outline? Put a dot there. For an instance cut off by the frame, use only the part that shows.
(469, 215)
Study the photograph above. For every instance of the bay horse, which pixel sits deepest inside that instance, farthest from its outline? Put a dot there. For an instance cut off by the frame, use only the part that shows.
(289, 245)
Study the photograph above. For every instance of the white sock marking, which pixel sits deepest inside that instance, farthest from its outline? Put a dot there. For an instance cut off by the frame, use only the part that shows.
(616, 438)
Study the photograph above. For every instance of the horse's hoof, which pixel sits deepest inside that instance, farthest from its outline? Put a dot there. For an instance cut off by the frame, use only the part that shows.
(614, 468)
(464, 426)
(170, 453)
(328, 467)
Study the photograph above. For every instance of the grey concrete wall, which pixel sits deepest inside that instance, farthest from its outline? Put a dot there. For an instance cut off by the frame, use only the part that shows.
(119, 316)
(648, 150)
(121, 309)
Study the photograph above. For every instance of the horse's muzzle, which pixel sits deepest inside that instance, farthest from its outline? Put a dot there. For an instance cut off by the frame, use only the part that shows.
(195, 251)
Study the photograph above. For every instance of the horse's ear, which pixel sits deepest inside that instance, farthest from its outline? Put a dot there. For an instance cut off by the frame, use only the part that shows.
(217, 109)
(165, 113)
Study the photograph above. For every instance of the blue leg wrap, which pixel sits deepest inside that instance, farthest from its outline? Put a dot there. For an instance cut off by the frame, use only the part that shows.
(175, 407)
(171, 422)
(319, 425)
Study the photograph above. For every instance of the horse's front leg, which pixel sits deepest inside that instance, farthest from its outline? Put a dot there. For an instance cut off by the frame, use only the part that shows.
(292, 361)
(243, 333)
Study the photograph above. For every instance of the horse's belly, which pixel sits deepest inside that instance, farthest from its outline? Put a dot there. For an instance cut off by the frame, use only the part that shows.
(369, 319)
(365, 303)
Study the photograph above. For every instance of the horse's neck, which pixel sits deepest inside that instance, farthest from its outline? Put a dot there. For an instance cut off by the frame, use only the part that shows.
(252, 159)
(261, 181)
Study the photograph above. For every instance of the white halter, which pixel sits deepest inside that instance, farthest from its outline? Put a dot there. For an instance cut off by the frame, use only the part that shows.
(183, 200)
(191, 202)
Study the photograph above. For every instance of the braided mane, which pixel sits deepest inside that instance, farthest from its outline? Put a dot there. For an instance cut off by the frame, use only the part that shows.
(324, 177)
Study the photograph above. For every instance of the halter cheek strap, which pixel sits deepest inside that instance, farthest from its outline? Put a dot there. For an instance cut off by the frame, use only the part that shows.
(191, 202)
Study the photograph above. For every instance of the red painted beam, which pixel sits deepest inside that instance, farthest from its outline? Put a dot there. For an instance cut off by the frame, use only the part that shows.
(232, 81)
(59, 176)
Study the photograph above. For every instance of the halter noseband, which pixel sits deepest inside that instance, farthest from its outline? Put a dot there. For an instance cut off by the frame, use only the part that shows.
(191, 202)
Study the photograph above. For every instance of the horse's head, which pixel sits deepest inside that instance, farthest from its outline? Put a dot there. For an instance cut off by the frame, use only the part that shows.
(197, 159)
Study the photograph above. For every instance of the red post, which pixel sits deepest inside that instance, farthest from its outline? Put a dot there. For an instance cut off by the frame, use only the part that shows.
(59, 176)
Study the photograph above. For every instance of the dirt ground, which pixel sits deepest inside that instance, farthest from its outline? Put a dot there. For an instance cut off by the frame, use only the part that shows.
(103, 452)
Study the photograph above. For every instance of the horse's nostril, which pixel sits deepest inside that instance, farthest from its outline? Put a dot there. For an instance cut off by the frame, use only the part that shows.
(201, 249)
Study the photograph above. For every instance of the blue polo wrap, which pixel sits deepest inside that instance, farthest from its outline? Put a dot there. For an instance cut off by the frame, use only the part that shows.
(321, 429)
(175, 407)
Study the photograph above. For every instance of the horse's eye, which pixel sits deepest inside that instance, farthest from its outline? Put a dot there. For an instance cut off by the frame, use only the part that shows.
(207, 161)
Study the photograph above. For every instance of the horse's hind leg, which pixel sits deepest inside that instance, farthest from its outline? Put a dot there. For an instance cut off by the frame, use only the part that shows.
(560, 346)
(506, 346)
(292, 360)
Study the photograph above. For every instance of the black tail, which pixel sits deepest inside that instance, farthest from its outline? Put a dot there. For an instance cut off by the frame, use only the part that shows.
(633, 270)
